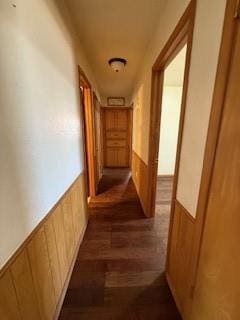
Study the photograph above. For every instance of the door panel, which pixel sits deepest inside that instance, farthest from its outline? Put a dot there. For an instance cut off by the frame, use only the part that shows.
(116, 135)
(116, 157)
(121, 120)
(122, 156)
(116, 143)
(110, 120)
(218, 291)
(111, 157)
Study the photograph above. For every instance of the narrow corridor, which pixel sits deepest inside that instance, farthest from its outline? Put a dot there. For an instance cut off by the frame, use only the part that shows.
(152, 89)
(119, 272)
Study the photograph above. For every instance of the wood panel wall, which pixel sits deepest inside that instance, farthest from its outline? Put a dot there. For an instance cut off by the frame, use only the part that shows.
(140, 179)
(34, 281)
(180, 247)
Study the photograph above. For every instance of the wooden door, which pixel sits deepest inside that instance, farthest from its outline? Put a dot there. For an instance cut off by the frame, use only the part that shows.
(218, 291)
(84, 135)
(117, 137)
(98, 139)
(88, 123)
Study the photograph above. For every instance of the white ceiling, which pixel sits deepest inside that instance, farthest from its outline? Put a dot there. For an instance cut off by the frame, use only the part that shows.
(111, 28)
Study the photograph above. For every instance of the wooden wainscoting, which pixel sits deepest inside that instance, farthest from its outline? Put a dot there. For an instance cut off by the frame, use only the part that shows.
(34, 281)
(140, 179)
(179, 255)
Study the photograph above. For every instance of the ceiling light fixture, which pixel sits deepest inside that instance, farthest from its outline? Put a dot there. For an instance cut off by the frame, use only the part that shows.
(117, 64)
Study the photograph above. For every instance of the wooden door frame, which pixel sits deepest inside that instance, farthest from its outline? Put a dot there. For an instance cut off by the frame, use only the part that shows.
(102, 137)
(88, 115)
(130, 128)
(95, 100)
(182, 34)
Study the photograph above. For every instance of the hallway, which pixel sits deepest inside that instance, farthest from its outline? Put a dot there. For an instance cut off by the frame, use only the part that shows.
(119, 272)
(150, 86)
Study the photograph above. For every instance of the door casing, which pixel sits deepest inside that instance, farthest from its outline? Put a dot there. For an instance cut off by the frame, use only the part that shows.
(89, 132)
(182, 34)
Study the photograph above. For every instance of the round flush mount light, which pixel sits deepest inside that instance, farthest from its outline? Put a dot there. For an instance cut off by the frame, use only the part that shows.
(117, 64)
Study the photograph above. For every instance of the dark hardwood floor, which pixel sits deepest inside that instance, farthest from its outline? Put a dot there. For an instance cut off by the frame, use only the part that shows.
(119, 272)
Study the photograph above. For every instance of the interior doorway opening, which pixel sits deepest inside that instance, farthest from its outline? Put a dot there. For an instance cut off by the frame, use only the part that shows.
(170, 115)
(172, 89)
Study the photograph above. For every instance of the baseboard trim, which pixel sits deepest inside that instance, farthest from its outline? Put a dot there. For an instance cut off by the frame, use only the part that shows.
(66, 284)
(165, 176)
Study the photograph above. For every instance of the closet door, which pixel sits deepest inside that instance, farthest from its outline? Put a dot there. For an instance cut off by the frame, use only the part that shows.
(217, 291)
(117, 137)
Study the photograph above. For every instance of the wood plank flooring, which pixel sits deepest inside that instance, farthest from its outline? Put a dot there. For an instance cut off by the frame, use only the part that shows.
(119, 272)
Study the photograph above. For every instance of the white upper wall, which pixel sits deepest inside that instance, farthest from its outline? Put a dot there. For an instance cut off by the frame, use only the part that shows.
(40, 133)
(170, 113)
(174, 73)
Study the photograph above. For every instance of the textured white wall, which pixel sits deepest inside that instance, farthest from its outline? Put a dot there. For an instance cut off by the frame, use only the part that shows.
(171, 108)
(40, 134)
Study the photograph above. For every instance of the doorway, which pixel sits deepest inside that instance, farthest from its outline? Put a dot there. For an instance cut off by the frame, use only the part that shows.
(179, 43)
(173, 79)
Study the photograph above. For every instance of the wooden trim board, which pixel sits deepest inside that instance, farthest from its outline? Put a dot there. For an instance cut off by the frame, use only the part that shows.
(89, 134)
(140, 179)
